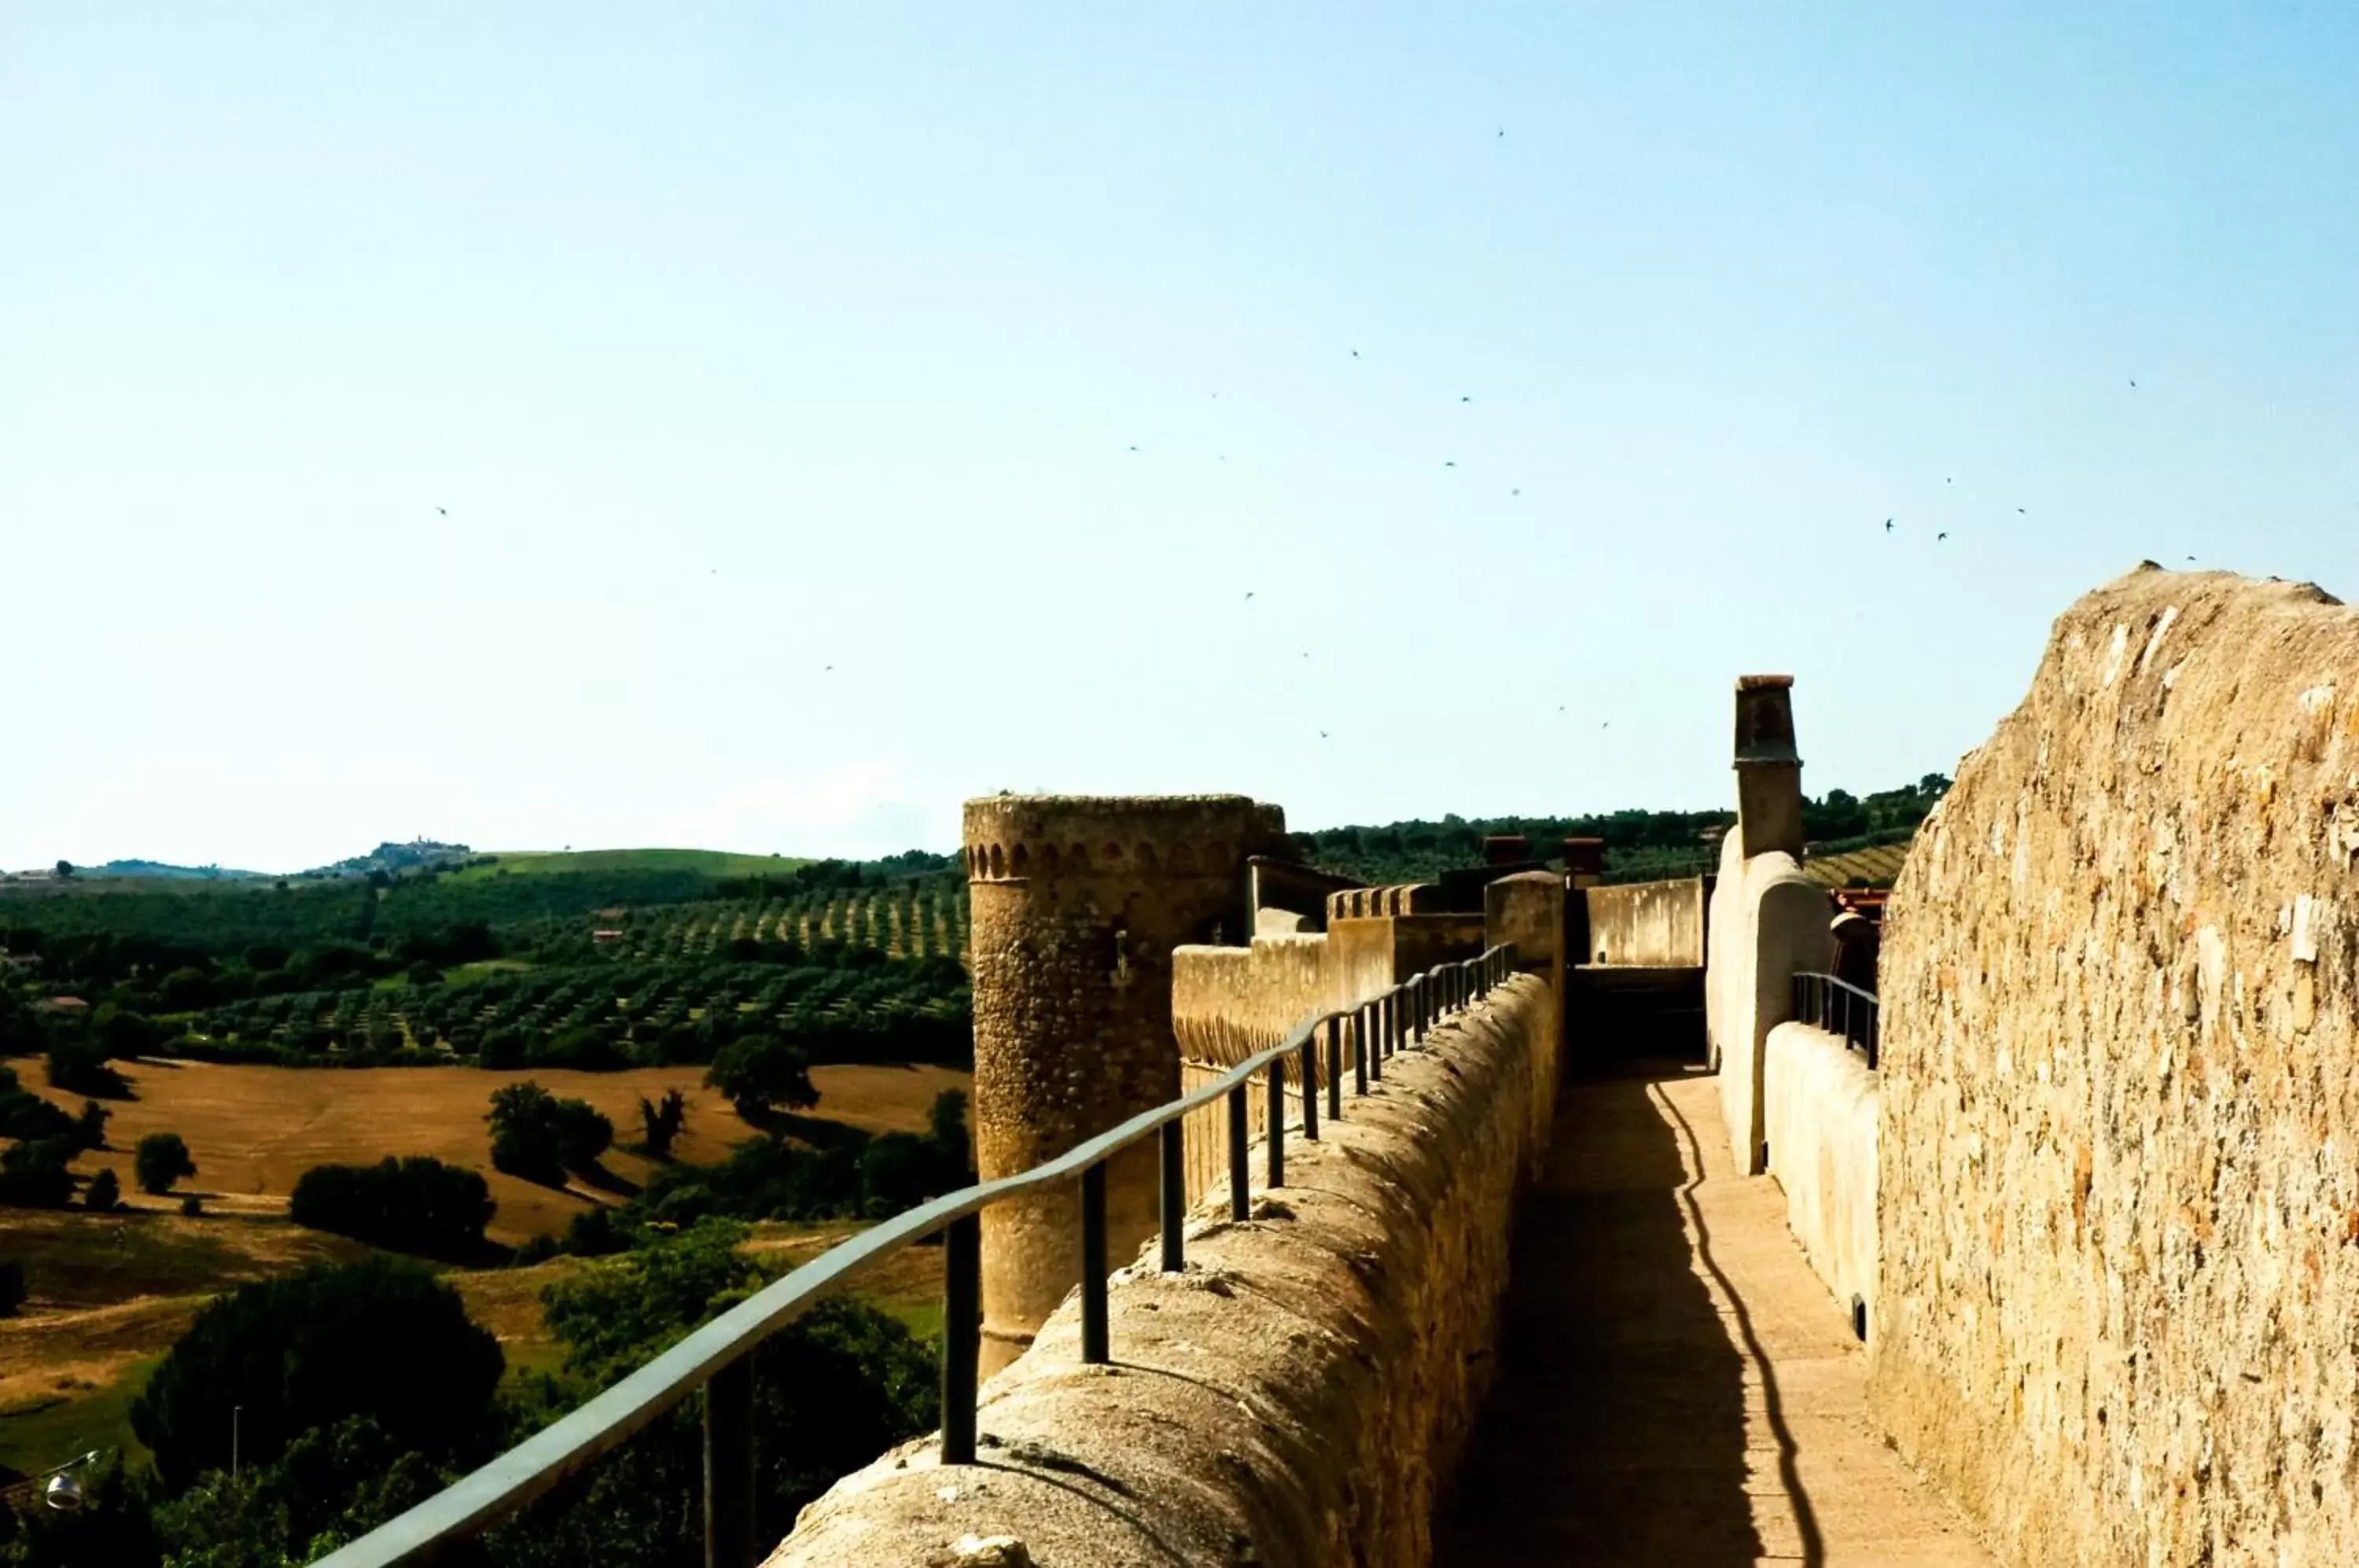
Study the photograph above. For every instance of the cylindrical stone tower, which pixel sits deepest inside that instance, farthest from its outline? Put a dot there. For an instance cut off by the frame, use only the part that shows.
(1077, 901)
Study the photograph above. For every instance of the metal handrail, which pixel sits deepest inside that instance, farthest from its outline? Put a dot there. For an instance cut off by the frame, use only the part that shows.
(718, 1354)
(1838, 1007)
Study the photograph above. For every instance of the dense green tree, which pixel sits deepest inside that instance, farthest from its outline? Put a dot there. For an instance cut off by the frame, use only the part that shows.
(162, 1160)
(12, 1286)
(80, 1066)
(377, 1339)
(104, 1194)
(416, 1204)
(760, 1073)
(539, 1137)
(37, 1174)
(832, 1392)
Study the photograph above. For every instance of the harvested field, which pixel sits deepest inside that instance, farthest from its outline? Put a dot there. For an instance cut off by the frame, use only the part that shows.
(255, 1130)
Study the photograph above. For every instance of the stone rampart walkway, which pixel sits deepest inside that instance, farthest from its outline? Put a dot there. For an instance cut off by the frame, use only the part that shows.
(1677, 1386)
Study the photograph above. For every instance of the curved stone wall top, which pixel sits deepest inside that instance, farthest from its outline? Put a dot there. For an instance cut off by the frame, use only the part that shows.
(1132, 837)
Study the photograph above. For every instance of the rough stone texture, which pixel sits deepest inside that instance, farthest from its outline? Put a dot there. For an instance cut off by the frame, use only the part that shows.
(1297, 1395)
(1654, 923)
(1229, 1003)
(1821, 1105)
(1768, 922)
(1078, 903)
(2120, 1216)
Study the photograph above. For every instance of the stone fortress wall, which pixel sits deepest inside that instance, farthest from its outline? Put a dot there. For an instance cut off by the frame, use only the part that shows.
(1078, 905)
(1300, 1394)
(2119, 1217)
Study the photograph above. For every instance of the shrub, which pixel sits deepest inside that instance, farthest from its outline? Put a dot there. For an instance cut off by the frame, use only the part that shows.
(538, 1136)
(537, 1249)
(162, 1160)
(379, 1338)
(192, 1206)
(12, 1286)
(417, 1204)
(91, 1125)
(37, 1174)
(104, 1194)
(80, 1068)
(595, 1233)
(26, 1116)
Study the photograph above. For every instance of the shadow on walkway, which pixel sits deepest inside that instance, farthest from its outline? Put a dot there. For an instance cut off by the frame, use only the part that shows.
(1616, 1430)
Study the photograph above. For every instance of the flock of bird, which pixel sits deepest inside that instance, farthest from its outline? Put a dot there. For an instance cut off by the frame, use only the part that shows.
(1890, 523)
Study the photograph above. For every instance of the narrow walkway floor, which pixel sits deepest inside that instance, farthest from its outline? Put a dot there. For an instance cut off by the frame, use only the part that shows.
(1677, 1386)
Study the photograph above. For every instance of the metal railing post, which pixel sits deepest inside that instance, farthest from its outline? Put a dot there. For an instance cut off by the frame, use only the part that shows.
(1096, 1347)
(1361, 1051)
(729, 1467)
(1335, 1066)
(1175, 1196)
(1308, 1057)
(1276, 1107)
(962, 1335)
(1376, 1052)
(1240, 1195)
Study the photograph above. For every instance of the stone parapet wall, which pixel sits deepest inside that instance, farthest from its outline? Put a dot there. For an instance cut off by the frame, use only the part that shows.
(2120, 1064)
(1230, 1003)
(1768, 923)
(1300, 1394)
(1654, 923)
(1822, 1104)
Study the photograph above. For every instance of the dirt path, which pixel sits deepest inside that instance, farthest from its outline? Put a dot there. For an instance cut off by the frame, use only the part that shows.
(1677, 1386)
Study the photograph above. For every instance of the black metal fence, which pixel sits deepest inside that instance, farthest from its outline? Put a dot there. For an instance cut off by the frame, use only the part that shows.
(1840, 1007)
(717, 1356)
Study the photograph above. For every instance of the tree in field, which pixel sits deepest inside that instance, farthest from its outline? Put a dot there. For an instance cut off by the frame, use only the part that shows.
(307, 1352)
(104, 1194)
(947, 1126)
(65, 868)
(662, 1123)
(37, 1174)
(162, 1160)
(833, 1390)
(417, 1204)
(538, 1136)
(760, 1072)
(91, 1125)
(12, 1286)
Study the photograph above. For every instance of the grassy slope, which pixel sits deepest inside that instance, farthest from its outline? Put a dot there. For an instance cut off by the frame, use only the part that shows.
(70, 1369)
(707, 862)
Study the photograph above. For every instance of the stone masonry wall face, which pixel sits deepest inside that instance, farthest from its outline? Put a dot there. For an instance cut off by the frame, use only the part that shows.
(1078, 903)
(2119, 1211)
(1298, 1397)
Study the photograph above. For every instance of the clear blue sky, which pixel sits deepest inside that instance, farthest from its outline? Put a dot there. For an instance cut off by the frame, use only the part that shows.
(741, 342)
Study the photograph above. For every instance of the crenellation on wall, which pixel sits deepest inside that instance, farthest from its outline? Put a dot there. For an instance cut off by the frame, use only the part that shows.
(1071, 950)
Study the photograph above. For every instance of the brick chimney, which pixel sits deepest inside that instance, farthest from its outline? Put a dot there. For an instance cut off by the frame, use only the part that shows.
(1506, 849)
(1584, 861)
(1768, 769)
